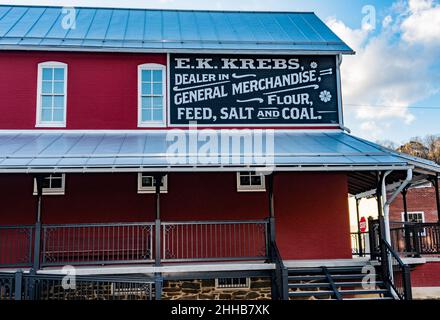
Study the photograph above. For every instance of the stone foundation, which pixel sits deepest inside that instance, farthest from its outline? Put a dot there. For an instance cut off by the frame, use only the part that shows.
(260, 289)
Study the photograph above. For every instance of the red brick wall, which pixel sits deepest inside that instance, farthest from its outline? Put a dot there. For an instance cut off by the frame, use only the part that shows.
(101, 88)
(418, 199)
(311, 209)
(426, 275)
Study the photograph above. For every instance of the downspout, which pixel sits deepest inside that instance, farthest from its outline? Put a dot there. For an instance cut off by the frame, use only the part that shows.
(386, 210)
(386, 206)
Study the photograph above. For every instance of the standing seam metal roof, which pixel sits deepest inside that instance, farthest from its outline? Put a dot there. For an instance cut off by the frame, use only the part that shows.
(108, 29)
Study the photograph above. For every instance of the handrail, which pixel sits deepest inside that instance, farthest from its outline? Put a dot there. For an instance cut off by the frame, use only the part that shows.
(399, 278)
(281, 278)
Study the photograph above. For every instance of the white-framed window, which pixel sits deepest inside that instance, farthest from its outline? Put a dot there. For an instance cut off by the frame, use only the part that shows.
(232, 283)
(147, 183)
(250, 181)
(151, 95)
(51, 94)
(53, 184)
(416, 217)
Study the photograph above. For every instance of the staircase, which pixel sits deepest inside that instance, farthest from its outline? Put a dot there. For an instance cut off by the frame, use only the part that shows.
(335, 283)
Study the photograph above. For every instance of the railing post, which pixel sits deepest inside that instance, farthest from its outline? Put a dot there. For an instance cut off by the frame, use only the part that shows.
(372, 238)
(157, 233)
(416, 234)
(406, 274)
(359, 235)
(158, 281)
(158, 182)
(18, 285)
(37, 241)
(383, 252)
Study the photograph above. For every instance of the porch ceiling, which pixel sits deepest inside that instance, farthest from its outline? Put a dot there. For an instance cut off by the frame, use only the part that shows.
(174, 150)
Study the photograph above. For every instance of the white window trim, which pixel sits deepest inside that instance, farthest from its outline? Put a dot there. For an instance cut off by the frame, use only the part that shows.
(163, 189)
(52, 191)
(152, 66)
(248, 285)
(260, 188)
(414, 212)
(423, 233)
(51, 124)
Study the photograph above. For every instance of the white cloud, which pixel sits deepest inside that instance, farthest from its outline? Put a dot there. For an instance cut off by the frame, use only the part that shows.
(388, 69)
(423, 24)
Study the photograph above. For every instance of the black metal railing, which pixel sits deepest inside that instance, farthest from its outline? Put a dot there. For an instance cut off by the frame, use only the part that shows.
(7, 286)
(359, 241)
(16, 245)
(214, 240)
(415, 239)
(125, 243)
(21, 286)
(395, 273)
(97, 243)
(280, 279)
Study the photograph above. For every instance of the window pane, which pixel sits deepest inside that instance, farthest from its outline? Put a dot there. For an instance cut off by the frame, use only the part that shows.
(58, 87)
(146, 102)
(58, 115)
(147, 181)
(157, 75)
(46, 115)
(47, 87)
(157, 101)
(57, 183)
(146, 88)
(146, 75)
(46, 182)
(157, 88)
(245, 180)
(146, 115)
(47, 74)
(59, 73)
(157, 114)
(59, 101)
(46, 101)
(256, 180)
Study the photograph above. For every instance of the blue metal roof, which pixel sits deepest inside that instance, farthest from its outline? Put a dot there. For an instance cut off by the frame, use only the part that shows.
(140, 30)
(150, 151)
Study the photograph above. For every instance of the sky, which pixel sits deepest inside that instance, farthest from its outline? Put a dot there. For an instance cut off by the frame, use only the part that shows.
(391, 87)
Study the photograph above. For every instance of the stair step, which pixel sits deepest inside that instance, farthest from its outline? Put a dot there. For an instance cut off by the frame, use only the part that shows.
(307, 278)
(310, 285)
(348, 276)
(374, 291)
(310, 293)
(372, 298)
(357, 284)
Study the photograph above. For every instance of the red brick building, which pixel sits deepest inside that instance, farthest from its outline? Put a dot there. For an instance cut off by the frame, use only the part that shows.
(183, 154)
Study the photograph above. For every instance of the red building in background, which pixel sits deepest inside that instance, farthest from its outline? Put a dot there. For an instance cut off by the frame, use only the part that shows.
(185, 154)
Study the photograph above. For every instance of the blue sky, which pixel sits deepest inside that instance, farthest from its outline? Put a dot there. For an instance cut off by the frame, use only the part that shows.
(391, 87)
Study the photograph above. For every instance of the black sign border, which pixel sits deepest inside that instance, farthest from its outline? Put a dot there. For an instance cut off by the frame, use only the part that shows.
(339, 124)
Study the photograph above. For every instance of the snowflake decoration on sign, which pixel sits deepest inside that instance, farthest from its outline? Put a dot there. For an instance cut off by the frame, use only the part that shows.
(313, 65)
(325, 96)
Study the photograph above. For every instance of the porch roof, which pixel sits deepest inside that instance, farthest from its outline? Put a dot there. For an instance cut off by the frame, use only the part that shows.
(171, 150)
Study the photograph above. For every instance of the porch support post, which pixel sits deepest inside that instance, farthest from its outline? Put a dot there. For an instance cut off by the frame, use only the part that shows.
(271, 209)
(361, 251)
(158, 180)
(379, 177)
(405, 219)
(37, 240)
(434, 181)
(405, 205)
